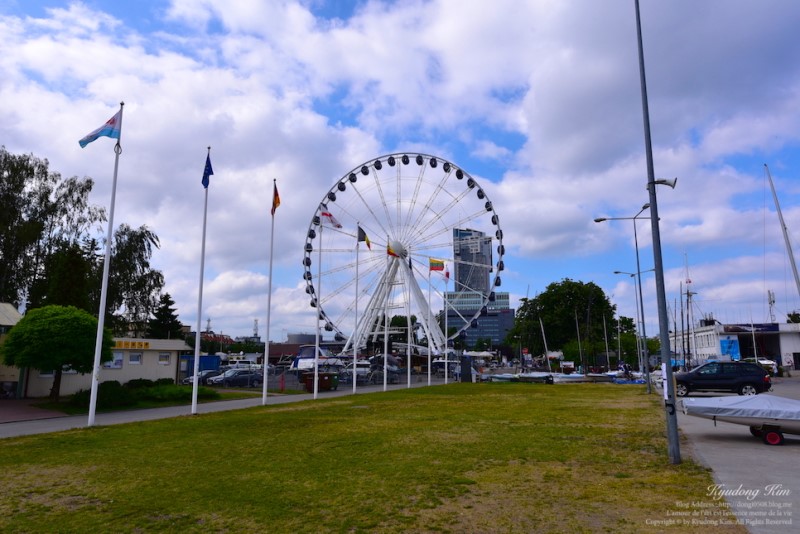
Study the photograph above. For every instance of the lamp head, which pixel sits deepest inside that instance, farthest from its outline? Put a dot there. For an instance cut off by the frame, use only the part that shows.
(600, 219)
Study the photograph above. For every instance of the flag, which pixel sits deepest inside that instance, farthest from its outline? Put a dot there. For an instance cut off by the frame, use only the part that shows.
(447, 275)
(436, 265)
(362, 236)
(391, 252)
(276, 198)
(328, 216)
(208, 171)
(111, 129)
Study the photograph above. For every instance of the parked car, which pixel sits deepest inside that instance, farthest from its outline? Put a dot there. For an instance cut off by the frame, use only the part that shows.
(238, 378)
(204, 375)
(738, 377)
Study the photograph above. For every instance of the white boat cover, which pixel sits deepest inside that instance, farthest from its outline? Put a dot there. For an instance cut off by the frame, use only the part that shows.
(762, 406)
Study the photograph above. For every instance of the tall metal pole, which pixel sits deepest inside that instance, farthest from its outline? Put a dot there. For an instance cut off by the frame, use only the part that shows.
(663, 322)
(645, 351)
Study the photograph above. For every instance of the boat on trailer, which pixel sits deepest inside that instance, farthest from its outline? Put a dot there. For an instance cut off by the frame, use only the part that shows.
(768, 416)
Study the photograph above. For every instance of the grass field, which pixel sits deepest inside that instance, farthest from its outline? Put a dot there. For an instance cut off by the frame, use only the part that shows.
(456, 458)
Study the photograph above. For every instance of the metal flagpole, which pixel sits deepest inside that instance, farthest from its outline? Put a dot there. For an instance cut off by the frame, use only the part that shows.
(408, 321)
(430, 329)
(386, 324)
(265, 366)
(319, 303)
(196, 382)
(101, 316)
(446, 344)
(355, 328)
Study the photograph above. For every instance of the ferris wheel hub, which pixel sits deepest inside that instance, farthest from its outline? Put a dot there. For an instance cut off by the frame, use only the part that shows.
(398, 248)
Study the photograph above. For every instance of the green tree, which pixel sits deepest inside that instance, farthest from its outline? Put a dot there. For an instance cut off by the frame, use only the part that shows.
(564, 309)
(165, 323)
(53, 338)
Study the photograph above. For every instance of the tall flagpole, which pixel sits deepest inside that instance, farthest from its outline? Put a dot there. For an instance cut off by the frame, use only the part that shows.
(446, 344)
(430, 329)
(319, 303)
(386, 323)
(101, 316)
(355, 328)
(265, 365)
(196, 381)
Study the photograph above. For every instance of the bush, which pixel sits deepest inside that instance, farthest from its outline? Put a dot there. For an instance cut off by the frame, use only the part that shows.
(165, 382)
(139, 383)
(110, 394)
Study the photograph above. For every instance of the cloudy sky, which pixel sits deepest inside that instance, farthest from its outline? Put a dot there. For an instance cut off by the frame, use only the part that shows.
(539, 101)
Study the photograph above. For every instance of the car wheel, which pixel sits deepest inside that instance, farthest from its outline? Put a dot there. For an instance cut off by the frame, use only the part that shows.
(748, 389)
(681, 390)
(756, 431)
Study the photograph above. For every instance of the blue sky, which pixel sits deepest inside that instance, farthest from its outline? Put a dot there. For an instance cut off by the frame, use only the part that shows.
(538, 101)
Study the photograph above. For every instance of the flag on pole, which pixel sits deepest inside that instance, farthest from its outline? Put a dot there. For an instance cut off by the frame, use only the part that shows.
(391, 252)
(111, 128)
(330, 219)
(208, 171)
(446, 275)
(276, 198)
(362, 236)
(436, 265)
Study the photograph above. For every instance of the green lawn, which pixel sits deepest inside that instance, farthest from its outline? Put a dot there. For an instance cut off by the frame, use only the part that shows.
(455, 458)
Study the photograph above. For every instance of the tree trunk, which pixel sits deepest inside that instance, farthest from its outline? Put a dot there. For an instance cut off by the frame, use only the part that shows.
(55, 391)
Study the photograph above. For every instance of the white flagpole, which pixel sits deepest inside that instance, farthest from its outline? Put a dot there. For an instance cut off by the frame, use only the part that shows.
(101, 316)
(265, 365)
(319, 303)
(446, 344)
(430, 330)
(355, 328)
(408, 325)
(386, 325)
(196, 381)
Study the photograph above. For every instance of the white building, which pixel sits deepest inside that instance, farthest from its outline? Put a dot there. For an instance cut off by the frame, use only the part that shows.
(152, 359)
(712, 340)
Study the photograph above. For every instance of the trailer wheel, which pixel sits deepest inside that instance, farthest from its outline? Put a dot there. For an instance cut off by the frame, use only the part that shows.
(773, 437)
(756, 431)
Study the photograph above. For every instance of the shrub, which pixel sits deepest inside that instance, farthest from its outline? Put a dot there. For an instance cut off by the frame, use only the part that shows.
(139, 383)
(110, 394)
(165, 382)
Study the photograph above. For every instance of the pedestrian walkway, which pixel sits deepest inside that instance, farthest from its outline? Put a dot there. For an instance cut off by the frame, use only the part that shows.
(757, 485)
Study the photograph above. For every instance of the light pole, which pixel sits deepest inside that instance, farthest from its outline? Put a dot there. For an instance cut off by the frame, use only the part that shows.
(673, 443)
(645, 353)
(639, 283)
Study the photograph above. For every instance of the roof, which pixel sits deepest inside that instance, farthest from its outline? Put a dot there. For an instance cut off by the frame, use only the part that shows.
(9, 316)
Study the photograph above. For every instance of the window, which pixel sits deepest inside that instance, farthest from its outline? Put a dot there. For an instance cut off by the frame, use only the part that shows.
(116, 361)
(135, 358)
(163, 358)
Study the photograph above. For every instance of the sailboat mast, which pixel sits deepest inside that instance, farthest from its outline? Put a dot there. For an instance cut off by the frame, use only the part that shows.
(785, 230)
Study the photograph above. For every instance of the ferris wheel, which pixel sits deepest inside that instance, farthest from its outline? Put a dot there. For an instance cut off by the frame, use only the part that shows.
(408, 235)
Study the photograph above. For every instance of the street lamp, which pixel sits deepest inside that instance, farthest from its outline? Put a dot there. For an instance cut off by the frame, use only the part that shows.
(673, 443)
(639, 282)
(644, 354)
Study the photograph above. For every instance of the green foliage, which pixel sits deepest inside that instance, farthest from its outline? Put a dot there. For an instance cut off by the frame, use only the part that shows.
(53, 337)
(165, 323)
(110, 394)
(139, 383)
(564, 308)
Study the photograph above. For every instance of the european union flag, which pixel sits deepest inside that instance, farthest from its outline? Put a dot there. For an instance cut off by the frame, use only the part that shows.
(208, 171)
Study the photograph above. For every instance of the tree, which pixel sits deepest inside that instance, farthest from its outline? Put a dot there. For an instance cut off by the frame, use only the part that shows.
(165, 323)
(564, 308)
(55, 338)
